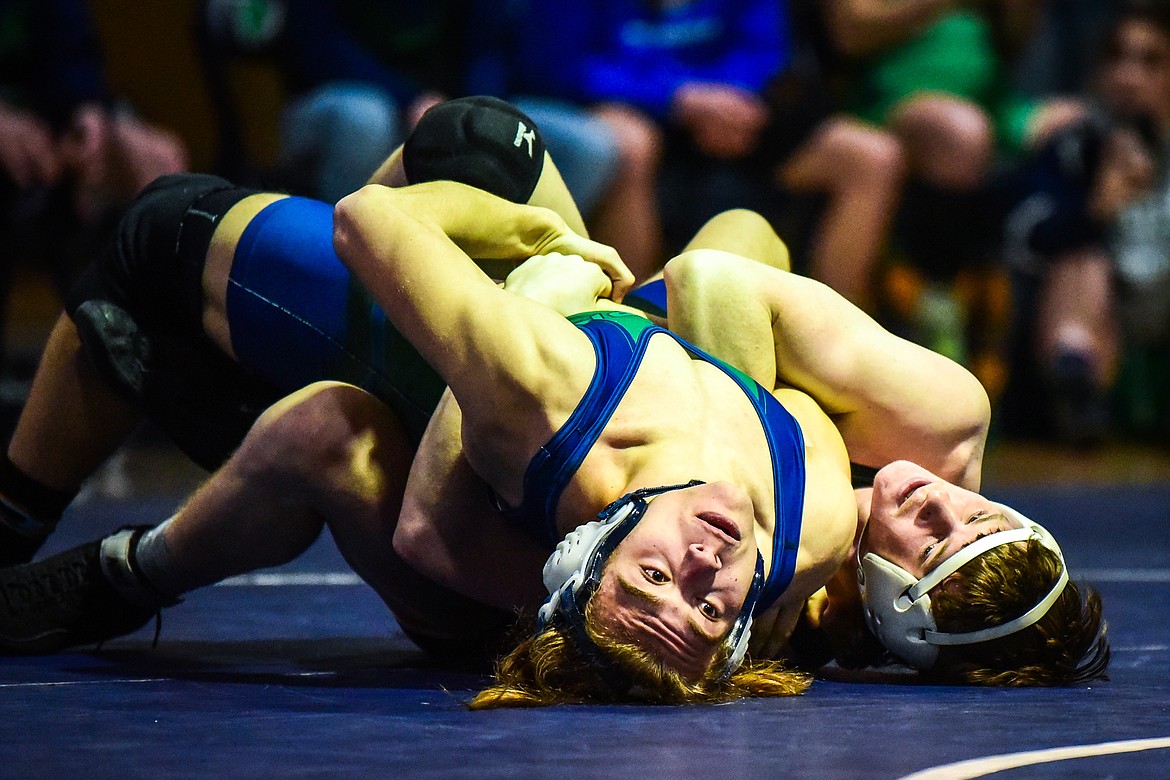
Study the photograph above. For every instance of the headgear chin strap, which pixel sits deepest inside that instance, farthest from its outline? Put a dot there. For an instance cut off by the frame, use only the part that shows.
(573, 572)
(897, 604)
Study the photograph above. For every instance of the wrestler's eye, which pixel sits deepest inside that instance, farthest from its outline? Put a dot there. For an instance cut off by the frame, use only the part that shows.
(927, 550)
(654, 575)
(709, 610)
(976, 516)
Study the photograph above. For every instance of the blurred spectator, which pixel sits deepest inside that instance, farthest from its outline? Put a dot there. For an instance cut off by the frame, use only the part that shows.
(357, 74)
(935, 73)
(1060, 57)
(699, 80)
(1095, 224)
(71, 154)
(584, 147)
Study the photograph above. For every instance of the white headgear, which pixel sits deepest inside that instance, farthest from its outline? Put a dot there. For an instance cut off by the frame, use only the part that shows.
(897, 604)
(573, 572)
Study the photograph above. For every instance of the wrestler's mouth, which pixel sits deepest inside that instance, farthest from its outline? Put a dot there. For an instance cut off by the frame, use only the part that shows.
(724, 526)
(910, 488)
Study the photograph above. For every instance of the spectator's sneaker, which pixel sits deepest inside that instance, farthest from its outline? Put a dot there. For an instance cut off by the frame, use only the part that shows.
(63, 601)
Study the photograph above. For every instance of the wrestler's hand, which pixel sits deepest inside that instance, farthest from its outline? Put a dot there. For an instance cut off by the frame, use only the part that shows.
(566, 242)
(566, 283)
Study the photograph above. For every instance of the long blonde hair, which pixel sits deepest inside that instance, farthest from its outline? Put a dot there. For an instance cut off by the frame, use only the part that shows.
(548, 668)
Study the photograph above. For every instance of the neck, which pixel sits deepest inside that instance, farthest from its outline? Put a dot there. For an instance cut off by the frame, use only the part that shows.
(864, 499)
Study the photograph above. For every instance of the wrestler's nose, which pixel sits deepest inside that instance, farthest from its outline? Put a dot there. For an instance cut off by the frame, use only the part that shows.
(700, 564)
(937, 514)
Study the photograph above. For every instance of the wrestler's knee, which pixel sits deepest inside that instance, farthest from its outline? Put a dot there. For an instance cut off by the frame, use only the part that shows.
(322, 438)
(694, 269)
(744, 222)
(481, 141)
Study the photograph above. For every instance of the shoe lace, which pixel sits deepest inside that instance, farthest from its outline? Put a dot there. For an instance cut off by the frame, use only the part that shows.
(153, 641)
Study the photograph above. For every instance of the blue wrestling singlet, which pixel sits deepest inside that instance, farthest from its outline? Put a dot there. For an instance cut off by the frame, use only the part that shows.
(620, 341)
(298, 316)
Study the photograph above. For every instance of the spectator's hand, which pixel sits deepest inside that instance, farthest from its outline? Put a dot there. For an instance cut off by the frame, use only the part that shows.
(28, 153)
(1127, 172)
(142, 152)
(723, 121)
(566, 283)
(114, 156)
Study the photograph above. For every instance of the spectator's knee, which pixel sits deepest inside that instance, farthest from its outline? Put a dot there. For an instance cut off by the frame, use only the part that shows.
(880, 157)
(870, 158)
(952, 140)
(639, 139)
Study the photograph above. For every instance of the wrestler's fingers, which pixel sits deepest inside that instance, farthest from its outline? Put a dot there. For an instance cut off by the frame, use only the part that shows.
(607, 259)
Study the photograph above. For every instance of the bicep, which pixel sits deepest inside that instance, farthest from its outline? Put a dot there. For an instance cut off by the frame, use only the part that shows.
(487, 344)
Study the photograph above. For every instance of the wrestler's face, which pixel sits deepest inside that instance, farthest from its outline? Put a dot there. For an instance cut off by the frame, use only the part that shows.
(918, 520)
(675, 585)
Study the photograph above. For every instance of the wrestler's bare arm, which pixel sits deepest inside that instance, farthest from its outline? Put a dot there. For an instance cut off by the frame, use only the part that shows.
(517, 368)
(550, 191)
(891, 399)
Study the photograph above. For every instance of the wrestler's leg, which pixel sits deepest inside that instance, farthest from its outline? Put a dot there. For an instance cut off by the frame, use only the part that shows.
(70, 424)
(328, 455)
(328, 451)
(85, 416)
(890, 398)
(745, 233)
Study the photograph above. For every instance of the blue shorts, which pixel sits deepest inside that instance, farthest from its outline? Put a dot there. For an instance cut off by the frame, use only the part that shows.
(297, 315)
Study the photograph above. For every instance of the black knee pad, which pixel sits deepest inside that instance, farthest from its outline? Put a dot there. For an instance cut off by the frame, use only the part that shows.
(153, 266)
(481, 141)
(138, 312)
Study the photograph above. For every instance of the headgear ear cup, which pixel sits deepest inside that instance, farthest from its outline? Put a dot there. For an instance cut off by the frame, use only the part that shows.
(572, 553)
(897, 621)
(569, 564)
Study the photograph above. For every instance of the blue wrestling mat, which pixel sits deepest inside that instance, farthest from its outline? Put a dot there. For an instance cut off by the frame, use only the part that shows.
(301, 671)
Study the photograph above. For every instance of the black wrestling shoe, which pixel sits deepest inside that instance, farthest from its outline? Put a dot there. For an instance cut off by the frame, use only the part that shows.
(63, 601)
